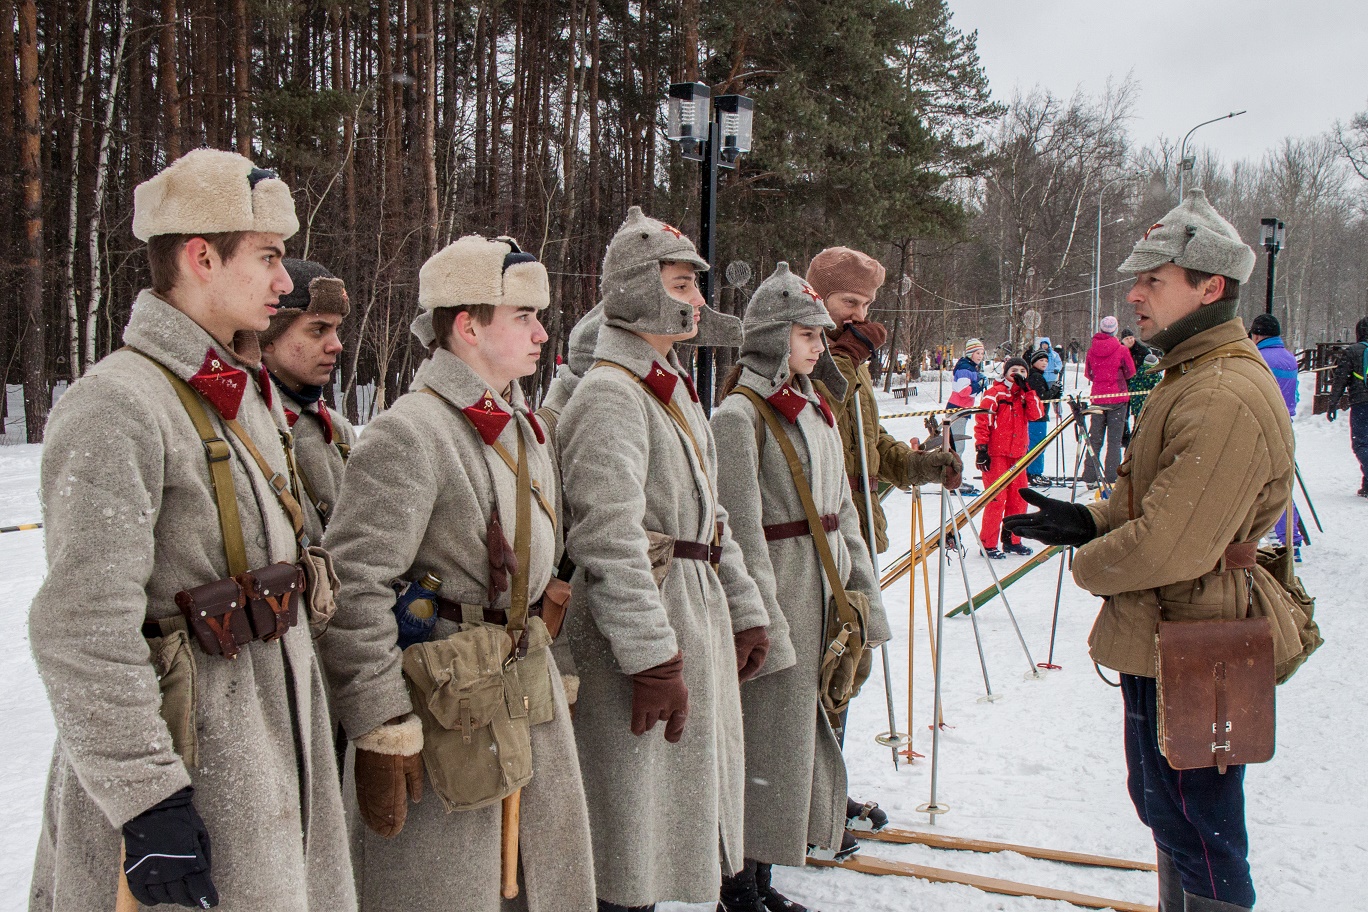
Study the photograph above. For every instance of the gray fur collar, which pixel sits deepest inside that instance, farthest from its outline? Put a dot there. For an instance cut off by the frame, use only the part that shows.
(173, 339)
(455, 381)
(622, 346)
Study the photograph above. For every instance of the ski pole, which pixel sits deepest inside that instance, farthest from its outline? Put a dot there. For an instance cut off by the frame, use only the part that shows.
(1049, 664)
(932, 806)
(1312, 507)
(997, 583)
(892, 738)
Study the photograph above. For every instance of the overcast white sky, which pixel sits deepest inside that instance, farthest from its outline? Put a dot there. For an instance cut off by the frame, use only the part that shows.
(1296, 65)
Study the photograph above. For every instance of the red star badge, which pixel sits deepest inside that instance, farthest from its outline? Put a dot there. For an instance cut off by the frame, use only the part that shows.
(672, 229)
(811, 293)
(1151, 228)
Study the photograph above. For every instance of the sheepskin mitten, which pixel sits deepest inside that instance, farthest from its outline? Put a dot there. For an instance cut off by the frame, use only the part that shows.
(389, 774)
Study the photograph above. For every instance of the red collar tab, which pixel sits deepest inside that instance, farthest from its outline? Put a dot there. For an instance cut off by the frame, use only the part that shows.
(826, 411)
(787, 402)
(264, 384)
(222, 385)
(661, 382)
(689, 385)
(291, 418)
(324, 419)
(488, 418)
(536, 427)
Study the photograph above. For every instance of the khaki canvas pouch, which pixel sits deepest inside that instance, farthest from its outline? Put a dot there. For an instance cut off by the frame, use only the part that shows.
(1280, 597)
(1215, 692)
(175, 665)
(847, 661)
(476, 713)
(320, 588)
(660, 552)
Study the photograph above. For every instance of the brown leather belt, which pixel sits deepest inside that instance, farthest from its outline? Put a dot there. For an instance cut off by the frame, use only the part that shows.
(451, 611)
(1240, 556)
(699, 551)
(780, 531)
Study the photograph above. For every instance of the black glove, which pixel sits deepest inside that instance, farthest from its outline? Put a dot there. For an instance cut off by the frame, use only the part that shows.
(1058, 522)
(982, 461)
(1077, 408)
(166, 854)
(1020, 381)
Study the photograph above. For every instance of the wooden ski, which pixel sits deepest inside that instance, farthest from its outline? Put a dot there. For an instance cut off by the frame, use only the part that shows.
(868, 864)
(988, 594)
(964, 844)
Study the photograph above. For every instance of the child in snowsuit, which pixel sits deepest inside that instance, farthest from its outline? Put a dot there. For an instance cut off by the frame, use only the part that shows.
(1000, 436)
(1038, 379)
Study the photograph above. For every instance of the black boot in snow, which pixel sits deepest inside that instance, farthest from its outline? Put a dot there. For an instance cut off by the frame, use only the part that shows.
(739, 893)
(774, 900)
(1170, 884)
(605, 906)
(864, 815)
(1195, 903)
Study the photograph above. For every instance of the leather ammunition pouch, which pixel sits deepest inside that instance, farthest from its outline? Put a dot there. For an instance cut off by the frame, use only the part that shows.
(227, 614)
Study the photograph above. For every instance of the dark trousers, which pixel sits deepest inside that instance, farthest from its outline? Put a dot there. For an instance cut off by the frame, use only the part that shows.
(1197, 816)
(1358, 434)
(1109, 424)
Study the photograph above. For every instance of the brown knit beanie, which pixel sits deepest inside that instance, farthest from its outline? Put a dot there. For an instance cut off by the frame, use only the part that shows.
(842, 269)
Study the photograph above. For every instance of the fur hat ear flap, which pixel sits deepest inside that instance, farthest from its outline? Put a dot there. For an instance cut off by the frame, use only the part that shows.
(526, 285)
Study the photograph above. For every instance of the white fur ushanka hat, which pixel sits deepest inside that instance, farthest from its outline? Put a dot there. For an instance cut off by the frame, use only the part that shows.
(477, 270)
(209, 191)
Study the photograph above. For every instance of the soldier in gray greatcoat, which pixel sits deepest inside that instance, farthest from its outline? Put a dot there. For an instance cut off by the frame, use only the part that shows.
(300, 350)
(583, 338)
(426, 491)
(163, 749)
(795, 774)
(664, 619)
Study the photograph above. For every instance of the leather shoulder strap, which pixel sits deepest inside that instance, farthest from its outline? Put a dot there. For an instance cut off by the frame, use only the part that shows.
(844, 612)
(219, 455)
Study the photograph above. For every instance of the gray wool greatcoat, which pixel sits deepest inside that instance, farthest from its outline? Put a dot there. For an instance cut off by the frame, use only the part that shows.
(666, 818)
(320, 462)
(795, 774)
(416, 498)
(131, 520)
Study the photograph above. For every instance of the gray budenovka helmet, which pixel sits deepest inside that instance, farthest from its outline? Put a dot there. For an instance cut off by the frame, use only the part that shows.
(781, 301)
(634, 297)
(583, 340)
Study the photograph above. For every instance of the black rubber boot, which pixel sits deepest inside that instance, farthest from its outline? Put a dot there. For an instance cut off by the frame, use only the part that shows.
(739, 892)
(1170, 884)
(1195, 903)
(774, 900)
(864, 815)
(605, 906)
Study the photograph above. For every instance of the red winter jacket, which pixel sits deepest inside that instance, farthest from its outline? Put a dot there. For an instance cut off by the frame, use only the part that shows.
(1108, 365)
(1003, 426)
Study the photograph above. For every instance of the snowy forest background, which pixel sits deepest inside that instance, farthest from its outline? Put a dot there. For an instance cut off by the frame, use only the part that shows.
(403, 124)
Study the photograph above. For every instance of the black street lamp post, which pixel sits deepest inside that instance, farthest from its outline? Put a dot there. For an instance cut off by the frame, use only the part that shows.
(714, 132)
(1271, 233)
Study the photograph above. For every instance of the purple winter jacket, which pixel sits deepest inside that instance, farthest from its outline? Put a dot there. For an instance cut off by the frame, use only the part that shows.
(1284, 366)
(1108, 366)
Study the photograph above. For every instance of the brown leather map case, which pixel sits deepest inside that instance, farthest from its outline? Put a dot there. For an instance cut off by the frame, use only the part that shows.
(1215, 692)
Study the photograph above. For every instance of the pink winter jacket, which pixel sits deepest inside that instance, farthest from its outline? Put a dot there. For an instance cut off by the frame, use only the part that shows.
(1109, 366)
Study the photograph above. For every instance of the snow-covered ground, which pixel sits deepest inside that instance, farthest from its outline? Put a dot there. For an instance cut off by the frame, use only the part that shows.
(1041, 765)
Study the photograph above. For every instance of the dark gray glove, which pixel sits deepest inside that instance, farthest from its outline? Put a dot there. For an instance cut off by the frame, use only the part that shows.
(166, 854)
(1058, 522)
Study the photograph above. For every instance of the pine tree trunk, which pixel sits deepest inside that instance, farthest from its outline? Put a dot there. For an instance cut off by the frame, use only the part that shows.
(37, 395)
(242, 110)
(430, 123)
(166, 78)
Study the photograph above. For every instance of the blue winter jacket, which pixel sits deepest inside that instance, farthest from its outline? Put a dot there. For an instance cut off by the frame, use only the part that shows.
(1055, 365)
(968, 383)
(1284, 366)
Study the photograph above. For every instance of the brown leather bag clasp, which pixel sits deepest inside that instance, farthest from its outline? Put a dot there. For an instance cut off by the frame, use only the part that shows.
(555, 601)
(273, 595)
(1215, 692)
(216, 614)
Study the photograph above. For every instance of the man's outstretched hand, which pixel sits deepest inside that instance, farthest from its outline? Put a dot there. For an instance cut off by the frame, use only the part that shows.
(1057, 522)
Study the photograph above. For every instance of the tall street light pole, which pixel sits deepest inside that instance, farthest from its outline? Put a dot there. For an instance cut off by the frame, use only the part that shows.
(1272, 233)
(1183, 163)
(715, 132)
